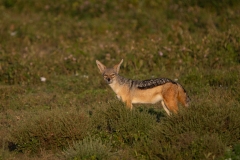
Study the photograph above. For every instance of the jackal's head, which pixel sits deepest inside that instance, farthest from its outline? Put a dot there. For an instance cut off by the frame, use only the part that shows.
(109, 74)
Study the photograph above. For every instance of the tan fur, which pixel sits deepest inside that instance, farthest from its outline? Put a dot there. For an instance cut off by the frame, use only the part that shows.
(167, 92)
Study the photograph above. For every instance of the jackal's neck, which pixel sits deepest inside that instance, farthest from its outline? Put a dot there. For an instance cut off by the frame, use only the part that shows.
(119, 82)
(122, 80)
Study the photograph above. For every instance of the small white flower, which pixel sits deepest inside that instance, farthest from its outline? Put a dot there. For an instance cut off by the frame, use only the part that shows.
(85, 76)
(160, 53)
(13, 33)
(43, 79)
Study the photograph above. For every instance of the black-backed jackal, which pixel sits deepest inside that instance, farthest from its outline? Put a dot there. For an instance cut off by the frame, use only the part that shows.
(146, 91)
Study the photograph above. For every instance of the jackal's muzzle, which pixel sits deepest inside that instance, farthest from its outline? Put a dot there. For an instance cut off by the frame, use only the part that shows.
(108, 80)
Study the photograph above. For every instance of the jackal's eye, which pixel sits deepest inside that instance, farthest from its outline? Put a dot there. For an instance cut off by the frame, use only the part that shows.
(112, 75)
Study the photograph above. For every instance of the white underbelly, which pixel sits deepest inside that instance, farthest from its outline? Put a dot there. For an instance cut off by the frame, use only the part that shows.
(151, 100)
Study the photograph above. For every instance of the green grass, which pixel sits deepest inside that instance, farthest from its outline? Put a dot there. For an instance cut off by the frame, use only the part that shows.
(75, 115)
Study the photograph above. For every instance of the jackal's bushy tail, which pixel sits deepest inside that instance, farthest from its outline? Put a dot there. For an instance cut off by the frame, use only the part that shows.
(182, 96)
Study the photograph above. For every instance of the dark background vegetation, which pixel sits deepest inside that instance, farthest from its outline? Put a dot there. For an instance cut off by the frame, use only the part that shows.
(75, 115)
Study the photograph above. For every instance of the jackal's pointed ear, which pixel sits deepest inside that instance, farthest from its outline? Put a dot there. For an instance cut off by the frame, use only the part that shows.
(117, 67)
(101, 67)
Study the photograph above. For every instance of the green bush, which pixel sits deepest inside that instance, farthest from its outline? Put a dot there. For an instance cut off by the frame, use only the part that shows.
(197, 133)
(89, 148)
(233, 153)
(50, 130)
(12, 71)
(122, 125)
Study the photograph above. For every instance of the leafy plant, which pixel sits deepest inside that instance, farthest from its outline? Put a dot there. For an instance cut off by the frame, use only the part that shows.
(124, 126)
(89, 148)
(49, 130)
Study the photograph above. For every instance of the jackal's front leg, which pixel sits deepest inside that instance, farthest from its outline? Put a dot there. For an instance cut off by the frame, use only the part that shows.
(129, 104)
(127, 101)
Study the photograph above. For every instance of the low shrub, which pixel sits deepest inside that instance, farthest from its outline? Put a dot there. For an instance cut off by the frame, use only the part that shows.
(233, 153)
(89, 148)
(49, 130)
(121, 125)
(201, 132)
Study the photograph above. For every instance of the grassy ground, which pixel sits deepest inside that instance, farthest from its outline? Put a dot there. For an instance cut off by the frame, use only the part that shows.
(55, 105)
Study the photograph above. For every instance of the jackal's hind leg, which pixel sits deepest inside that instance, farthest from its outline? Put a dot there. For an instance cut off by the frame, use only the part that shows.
(171, 105)
(170, 98)
(165, 108)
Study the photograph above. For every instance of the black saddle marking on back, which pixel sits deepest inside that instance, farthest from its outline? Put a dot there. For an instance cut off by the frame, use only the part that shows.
(150, 83)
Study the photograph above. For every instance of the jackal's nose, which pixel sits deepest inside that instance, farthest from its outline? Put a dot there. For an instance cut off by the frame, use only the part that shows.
(108, 80)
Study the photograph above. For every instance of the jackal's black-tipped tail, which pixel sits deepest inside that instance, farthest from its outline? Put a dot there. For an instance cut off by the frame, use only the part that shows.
(182, 96)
